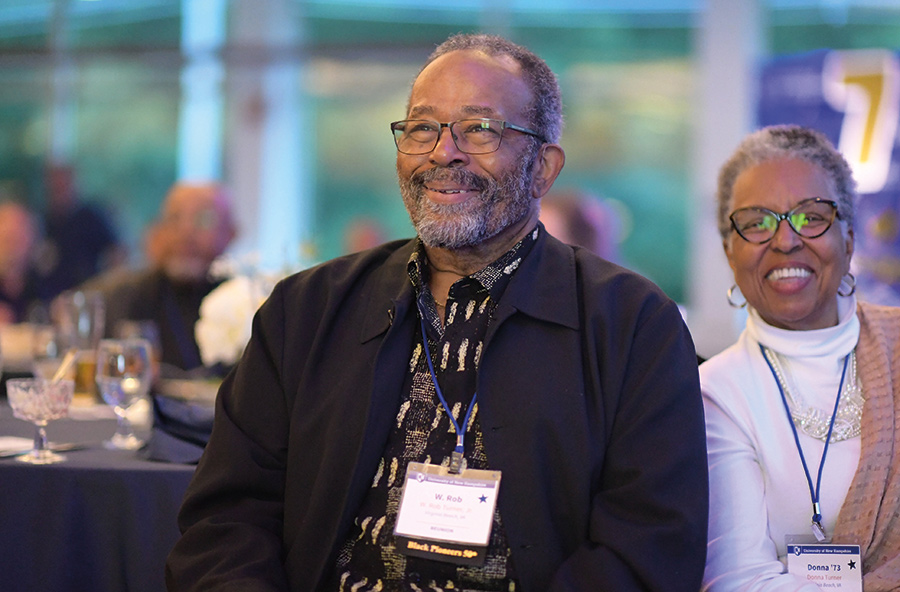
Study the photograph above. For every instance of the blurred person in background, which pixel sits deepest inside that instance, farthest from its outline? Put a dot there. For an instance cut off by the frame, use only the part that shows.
(363, 233)
(21, 296)
(581, 219)
(79, 239)
(801, 411)
(195, 227)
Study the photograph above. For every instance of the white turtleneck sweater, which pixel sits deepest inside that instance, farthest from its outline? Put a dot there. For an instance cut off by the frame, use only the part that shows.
(758, 489)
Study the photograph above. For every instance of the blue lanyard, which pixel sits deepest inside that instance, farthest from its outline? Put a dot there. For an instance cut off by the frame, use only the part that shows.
(457, 456)
(817, 527)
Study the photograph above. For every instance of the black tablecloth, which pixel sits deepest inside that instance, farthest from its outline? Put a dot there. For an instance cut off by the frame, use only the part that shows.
(103, 520)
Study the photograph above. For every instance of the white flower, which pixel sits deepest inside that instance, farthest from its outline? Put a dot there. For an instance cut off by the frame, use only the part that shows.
(226, 318)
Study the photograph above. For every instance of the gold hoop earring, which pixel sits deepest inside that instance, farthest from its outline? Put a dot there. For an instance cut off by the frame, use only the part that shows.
(848, 285)
(730, 295)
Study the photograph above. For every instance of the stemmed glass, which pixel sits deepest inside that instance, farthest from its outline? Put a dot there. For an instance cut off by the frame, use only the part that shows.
(46, 354)
(124, 372)
(38, 400)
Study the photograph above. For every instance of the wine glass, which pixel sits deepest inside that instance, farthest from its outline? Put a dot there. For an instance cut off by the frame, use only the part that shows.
(124, 372)
(142, 329)
(39, 400)
(46, 353)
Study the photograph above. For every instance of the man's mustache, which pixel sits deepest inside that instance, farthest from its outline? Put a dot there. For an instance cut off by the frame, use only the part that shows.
(453, 175)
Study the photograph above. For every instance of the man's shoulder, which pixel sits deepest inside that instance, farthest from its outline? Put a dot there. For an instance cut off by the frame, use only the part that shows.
(349, 291)
(600, 277)
(120, 279)
(572, 285)
(387, 261)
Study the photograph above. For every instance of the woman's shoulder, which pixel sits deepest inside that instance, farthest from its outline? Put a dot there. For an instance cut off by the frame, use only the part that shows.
(728, 375)
(735, 398)
(880, 314)
(879, 323)
(726, 363)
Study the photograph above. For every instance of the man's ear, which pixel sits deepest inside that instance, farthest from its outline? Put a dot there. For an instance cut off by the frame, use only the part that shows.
(549, 163)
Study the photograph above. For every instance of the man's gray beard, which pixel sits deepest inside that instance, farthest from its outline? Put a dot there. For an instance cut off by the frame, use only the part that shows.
(186, 269)
(453, 226)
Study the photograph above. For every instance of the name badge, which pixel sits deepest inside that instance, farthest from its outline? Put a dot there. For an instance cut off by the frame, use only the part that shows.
(829, 566)
(445, 516)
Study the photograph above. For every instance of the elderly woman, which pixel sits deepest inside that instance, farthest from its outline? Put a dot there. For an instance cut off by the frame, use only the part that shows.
(812, 366)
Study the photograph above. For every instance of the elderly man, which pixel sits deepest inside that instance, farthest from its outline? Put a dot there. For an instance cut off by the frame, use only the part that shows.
(195, 226)
(480, 408)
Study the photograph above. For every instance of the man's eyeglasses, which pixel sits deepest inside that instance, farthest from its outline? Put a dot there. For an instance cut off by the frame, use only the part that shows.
(811, 218)
(472, 136)
(199, 220)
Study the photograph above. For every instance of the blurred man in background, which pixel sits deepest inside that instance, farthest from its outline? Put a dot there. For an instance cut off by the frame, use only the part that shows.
(195, 227)
(80, 240)
(580, 219)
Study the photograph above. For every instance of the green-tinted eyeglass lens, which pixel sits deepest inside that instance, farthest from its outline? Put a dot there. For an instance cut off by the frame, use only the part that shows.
(799, 220)
(810, 219)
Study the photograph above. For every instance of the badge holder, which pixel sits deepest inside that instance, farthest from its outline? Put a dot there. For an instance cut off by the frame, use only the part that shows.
(829, 566)
(446, 516)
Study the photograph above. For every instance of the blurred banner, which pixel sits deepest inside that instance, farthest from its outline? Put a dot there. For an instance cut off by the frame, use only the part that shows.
(853, 97)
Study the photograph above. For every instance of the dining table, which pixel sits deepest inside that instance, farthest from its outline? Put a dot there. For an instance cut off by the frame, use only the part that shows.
(103, 520)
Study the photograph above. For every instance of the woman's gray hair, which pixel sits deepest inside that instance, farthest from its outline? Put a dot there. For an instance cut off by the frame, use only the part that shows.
(545, 111)
(781, 142)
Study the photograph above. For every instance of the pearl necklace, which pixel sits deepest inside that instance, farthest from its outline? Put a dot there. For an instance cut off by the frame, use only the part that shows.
(814, 422)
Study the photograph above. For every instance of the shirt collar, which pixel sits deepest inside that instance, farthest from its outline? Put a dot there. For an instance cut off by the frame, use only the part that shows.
(492, 278)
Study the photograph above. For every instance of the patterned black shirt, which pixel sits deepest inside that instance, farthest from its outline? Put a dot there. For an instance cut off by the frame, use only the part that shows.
(369, 560)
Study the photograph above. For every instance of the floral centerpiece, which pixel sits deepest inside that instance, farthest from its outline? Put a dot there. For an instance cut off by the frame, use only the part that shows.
(226, 316)
(185, 410)
(226, 313)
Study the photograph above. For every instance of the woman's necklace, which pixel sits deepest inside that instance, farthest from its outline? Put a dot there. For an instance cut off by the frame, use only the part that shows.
(815, 422)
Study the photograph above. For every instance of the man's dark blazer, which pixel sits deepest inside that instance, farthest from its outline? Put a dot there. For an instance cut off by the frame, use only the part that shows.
(589, 402)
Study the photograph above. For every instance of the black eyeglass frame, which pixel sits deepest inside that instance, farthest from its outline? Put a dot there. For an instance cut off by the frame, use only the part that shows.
(504, 125)
(835, 215)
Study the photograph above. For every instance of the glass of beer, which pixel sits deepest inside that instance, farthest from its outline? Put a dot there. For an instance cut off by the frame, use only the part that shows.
(79, 317)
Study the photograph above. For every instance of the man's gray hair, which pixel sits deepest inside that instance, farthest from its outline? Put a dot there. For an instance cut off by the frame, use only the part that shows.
(545, 111)
(780, 142)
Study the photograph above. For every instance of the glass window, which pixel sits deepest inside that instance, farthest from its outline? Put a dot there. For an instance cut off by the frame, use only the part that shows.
(625, 66)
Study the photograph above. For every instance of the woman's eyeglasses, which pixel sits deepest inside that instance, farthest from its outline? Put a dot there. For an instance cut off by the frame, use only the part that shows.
(811, 218)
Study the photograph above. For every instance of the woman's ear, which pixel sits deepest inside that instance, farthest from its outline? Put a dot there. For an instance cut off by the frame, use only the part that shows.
(848, 245)
(850, 241)
(726, 245)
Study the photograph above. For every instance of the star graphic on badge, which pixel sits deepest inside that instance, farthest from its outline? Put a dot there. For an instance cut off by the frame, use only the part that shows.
(852, 565)
(483, 499)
